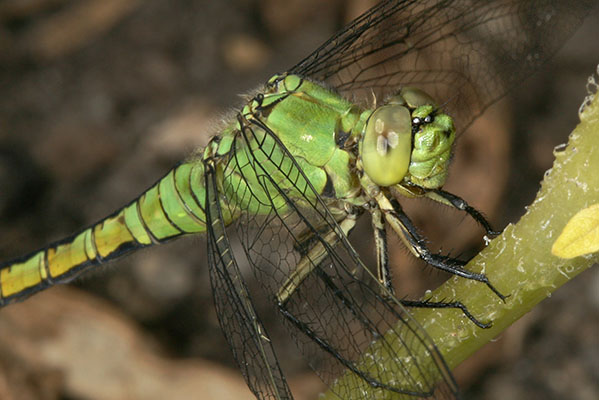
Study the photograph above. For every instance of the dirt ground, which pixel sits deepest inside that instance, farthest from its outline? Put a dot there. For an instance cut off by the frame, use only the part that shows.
(99, 98)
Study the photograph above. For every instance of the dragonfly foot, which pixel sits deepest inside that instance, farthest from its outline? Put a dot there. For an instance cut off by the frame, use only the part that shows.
(445, 304)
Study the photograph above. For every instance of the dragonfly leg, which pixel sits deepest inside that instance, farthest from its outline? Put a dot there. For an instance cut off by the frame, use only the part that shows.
(311, 259)
(382, 256)
(408, 233)
(307, 238)
(384, 273)
(446, 304)
(450, 199)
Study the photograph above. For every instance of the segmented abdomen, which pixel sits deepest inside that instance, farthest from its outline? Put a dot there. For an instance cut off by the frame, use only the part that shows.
(174, 206)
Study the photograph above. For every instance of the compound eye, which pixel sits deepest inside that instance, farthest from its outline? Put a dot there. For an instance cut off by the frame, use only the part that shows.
(387, 145)
(415, 97)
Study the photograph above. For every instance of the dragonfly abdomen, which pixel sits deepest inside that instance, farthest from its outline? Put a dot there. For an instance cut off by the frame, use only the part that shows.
(172, 207)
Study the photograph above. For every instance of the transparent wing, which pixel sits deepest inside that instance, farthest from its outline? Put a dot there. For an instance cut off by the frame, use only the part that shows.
(245, 333)
(465, 53)
(337, 313)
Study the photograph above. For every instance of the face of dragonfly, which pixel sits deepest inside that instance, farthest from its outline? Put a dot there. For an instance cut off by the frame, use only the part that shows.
(408, 140)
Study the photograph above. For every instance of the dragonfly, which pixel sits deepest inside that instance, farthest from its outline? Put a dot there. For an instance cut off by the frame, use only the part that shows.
(367, 119)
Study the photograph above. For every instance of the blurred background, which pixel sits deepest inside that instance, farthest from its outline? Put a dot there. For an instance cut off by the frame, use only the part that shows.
(99, 98)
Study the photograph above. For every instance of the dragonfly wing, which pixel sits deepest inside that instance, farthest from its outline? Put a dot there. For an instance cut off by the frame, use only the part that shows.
(337, 313)
(466, 53)
(245, 333)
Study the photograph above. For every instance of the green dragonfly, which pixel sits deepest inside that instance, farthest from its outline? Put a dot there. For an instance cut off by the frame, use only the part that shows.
(368, 118)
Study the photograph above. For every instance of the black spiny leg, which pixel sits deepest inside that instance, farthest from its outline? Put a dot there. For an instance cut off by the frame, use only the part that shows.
(458, 203)
(406, 230)
(444, 263)
(384, 274)
(445, 304)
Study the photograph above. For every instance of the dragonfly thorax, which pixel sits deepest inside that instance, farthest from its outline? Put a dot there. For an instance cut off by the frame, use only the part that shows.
(407, 140)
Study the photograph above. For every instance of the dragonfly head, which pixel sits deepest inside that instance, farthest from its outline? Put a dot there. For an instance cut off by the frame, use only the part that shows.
(407, 140)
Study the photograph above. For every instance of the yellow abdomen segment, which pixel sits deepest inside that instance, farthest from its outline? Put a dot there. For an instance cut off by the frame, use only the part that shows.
(172, 207)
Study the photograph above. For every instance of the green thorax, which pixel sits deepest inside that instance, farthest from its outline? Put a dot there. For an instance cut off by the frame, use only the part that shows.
(307, 119)
(327, 136)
